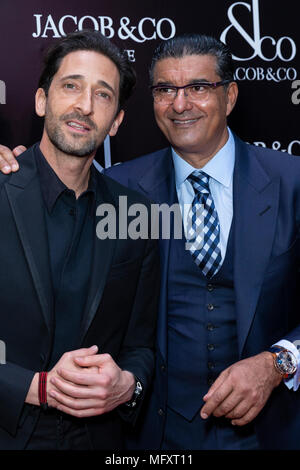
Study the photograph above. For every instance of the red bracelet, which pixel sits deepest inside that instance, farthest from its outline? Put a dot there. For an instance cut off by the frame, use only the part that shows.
(43, 390)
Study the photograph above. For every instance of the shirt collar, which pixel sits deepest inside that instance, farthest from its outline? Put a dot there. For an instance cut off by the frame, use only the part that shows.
(220, 167)
(52, 187)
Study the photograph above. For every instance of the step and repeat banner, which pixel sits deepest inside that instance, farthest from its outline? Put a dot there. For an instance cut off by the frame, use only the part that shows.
(264, 37)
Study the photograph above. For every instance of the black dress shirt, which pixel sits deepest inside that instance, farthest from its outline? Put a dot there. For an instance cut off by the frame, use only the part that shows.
(71, 230)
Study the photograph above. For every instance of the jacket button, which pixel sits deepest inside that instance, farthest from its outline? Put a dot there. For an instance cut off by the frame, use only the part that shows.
(163, 368)
(210, 381)
(211, 365)
(210, 287)
(161, 412)
(210, 347)
(210, 326)
(210, 307)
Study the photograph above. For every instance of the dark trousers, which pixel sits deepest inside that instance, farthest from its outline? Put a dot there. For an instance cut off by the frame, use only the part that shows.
(58, 431)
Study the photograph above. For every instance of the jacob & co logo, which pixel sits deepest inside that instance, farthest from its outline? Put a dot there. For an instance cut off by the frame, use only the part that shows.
(146, 29)
(284, 48)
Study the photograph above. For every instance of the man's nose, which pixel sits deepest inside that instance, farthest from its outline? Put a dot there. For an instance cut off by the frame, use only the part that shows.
(181, 102)
(85, 102)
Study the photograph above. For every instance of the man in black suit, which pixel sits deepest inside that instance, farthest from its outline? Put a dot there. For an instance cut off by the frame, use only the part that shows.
(78, 308)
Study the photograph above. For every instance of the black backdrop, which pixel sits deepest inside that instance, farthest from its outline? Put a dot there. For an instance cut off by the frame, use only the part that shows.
(263, 34)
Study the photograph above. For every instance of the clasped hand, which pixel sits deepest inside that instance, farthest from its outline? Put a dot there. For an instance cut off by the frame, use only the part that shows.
(84, 383)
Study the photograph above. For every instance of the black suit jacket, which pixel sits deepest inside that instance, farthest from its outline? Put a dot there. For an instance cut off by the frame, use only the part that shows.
(120, 311)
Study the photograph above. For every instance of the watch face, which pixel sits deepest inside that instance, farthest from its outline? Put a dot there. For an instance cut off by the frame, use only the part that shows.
(286, 362)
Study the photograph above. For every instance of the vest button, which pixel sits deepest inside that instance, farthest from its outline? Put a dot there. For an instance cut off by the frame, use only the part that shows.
(161, 412)
(211, 365)
(210, 307)
(163, 368)
(210, 326)
(210, 347)
(210, 287)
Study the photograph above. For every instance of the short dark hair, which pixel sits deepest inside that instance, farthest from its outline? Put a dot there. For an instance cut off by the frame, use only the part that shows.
(196, 44)
(88, 40)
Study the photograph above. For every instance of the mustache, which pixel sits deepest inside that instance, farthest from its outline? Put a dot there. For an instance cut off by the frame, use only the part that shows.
(78, 117)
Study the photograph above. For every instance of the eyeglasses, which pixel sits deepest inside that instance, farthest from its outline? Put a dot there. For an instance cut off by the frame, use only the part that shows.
(200, 91)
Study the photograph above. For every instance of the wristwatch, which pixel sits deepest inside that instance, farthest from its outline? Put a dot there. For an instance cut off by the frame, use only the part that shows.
(136, 394)
(284, 361)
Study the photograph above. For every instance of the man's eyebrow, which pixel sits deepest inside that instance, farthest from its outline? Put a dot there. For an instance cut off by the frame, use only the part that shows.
(106, 85)
(161, 83)
(190, 82)
(81, 77)
(199, 80)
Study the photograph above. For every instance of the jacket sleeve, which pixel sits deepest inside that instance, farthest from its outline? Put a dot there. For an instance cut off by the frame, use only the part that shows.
(137, 352)
(14, 385)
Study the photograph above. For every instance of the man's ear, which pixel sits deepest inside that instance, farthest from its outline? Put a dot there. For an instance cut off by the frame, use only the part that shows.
(40, 102)
(232, 94)
(117, 122)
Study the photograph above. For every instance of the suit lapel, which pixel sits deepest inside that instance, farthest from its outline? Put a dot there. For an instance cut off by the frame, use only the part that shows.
(102, 259)
(255, 206)
(158, 184)
(26, 203)
(25, 199)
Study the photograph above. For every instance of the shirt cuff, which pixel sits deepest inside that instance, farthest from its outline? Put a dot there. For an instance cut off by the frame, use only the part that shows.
(293, 382)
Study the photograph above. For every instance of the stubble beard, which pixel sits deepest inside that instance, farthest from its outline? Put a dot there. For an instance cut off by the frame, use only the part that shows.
(57, 137)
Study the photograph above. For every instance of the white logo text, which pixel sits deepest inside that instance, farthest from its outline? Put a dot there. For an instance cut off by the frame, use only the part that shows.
(164, 28)
(256, 42)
